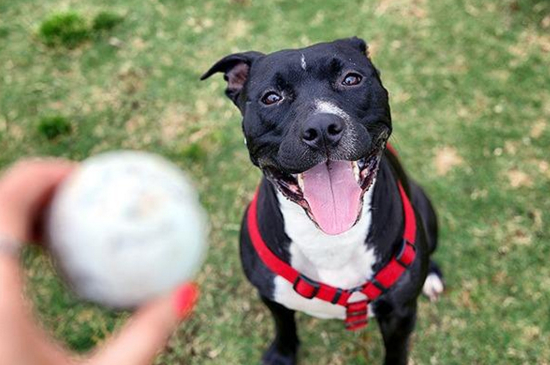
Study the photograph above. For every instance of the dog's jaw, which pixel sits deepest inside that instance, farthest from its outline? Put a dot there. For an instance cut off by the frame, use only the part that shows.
(291, 186)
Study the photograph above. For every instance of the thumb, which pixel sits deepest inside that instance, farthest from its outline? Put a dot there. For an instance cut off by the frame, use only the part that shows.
(148, 330)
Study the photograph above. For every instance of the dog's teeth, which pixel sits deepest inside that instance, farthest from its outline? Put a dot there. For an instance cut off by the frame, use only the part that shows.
(300, 178)
(356, 171)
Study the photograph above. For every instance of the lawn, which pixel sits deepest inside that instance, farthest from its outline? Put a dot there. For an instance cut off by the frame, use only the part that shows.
(470, 93)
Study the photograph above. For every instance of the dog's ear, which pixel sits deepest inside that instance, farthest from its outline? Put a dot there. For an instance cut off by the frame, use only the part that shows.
(235, 68)
(356, 43)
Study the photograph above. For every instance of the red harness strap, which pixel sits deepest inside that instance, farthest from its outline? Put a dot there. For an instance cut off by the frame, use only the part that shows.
(356, 312)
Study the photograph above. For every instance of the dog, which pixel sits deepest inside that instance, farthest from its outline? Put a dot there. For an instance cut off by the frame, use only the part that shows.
(336, 228)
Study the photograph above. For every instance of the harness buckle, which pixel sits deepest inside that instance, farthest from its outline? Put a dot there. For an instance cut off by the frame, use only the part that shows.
(357, 325)
(378, 285)
(357, 308)
(337, 296)
(306, 287)
(406, 254)
(357, 315)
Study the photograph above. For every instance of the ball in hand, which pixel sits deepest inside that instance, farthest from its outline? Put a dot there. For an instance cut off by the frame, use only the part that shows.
(126, 227)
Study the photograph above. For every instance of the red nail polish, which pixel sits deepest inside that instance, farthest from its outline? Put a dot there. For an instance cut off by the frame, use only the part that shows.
(185, 298)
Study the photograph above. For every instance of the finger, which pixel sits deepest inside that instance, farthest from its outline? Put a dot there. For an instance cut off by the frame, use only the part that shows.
(22, 189)
(25, 189)
(22, 340)
(149, 329)
(37, 212)
(29, 180)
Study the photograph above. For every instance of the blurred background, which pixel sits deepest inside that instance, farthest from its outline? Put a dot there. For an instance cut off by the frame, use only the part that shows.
(469, 84)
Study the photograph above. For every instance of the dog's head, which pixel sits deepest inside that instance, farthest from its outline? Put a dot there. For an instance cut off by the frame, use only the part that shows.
(316, 121)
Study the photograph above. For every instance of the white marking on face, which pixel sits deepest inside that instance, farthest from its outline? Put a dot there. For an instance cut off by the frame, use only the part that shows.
(303, 62)
(323, 106)
(344, 260)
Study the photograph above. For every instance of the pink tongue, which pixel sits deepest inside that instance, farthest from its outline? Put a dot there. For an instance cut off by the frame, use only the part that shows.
(333, 195)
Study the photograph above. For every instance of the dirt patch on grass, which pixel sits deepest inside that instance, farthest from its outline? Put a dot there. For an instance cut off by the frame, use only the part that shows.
(446, 159)
(518, 178)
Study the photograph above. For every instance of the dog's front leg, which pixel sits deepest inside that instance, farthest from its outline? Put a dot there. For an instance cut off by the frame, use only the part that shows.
(396, 328)
(284, 348)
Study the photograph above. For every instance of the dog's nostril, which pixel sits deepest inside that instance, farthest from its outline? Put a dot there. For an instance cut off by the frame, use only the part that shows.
(334, 129)
(323, 131)
(310, 134)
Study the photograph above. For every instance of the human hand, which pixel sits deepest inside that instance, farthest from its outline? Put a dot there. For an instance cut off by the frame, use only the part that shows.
(25, 191)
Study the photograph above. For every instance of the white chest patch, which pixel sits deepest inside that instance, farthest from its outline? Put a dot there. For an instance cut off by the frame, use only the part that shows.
(342, 261)
(303, 62)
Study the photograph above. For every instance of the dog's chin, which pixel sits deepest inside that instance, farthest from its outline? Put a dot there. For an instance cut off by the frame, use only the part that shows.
(331, 193)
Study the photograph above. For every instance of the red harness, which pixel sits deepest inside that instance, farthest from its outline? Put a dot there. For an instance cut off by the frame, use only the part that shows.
(356, 312)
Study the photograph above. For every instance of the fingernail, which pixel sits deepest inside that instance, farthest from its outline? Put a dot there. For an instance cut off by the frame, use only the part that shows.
(185, 298)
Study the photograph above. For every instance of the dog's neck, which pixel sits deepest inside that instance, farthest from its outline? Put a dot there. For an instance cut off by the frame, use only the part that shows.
(290, 233)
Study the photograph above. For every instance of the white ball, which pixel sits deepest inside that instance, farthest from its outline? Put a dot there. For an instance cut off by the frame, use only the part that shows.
(126, 227)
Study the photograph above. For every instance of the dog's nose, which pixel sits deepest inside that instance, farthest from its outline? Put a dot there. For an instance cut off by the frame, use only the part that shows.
(323, 130)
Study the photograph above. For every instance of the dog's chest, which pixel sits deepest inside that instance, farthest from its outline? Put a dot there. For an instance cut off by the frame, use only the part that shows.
(343, 261)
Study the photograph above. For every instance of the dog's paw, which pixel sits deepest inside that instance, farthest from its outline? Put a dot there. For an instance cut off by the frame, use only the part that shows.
(433, 286)
(274, 357)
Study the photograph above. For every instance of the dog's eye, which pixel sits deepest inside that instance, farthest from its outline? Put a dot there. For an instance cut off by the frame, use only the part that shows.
(271, 98)
(351, 79)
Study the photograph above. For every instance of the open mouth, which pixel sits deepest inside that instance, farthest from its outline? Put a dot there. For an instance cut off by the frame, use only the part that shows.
(331, 192)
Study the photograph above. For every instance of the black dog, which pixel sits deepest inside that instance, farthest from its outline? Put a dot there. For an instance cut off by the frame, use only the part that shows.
(330, 215)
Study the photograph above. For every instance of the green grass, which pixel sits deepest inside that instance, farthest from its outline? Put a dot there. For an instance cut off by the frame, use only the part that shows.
(64, 29)
(468, 82)
(106, 21)
(52, 127)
